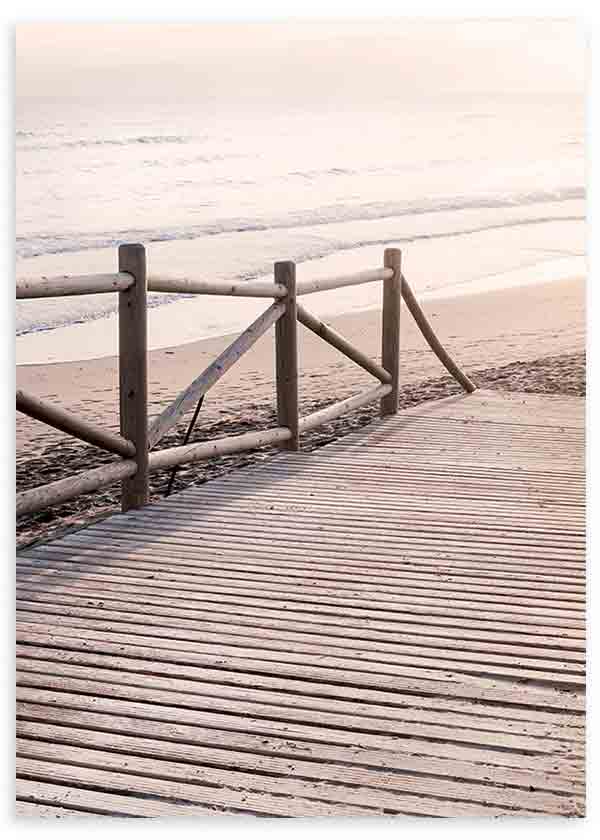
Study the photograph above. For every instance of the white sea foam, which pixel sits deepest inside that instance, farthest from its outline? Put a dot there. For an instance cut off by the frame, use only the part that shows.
(224, 196)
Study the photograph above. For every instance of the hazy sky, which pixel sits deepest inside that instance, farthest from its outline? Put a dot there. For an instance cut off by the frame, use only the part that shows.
(305, 62)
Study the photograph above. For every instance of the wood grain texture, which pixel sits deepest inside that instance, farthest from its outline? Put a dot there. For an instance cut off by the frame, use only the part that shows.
(286, 356)
(209, 377)
(133, 372)
(431, 338)
(65, 285)
(56, 492)
(338, 341)
(69, 423)
(191, 285)
(270, 644)
(390, 329)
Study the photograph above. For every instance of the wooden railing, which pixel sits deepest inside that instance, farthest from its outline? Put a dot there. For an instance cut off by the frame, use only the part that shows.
(137, 438)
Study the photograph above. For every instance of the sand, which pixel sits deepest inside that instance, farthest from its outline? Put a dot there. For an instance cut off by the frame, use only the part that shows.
(497, 337)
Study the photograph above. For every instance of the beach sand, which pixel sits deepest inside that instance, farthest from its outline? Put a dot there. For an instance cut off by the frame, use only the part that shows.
(529, 337)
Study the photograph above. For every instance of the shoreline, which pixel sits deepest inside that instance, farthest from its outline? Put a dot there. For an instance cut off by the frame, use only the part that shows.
(440, 263)
(521, 338)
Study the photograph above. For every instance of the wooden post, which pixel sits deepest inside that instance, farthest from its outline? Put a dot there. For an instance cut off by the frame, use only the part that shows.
(133, 372)
(286, 352)
(390, 331)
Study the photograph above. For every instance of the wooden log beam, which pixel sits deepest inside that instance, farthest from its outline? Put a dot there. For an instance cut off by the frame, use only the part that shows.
(324, 284)
(168, 458)
(332, 412)
(338, 341)
(189, 285)
(390, 328)
(67, 422)
(433, 341)
(286, 356)
(86, 284)
(190, 396)
(38, 498)
(133, 372)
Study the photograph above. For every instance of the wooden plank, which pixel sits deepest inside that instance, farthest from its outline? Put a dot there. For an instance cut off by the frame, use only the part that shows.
(414, 561)
(431, 338)
(56, 492)
(100, 803)
(100, 773)
(304, 693)
(133, 372)
(367, 583)
(322, 284)
(571, 542)
(68, 422)
(235, 700)
(64, 285)
(32, 809)
(319, 610)
(430, 663)
(509, 614)
(157, 764)
(382, 768)
(426, 684)
(326, 415)
(237, 619)
(414, 649)
(564, 761)
(390, 328)
(192, 452)
(279, 647)
(398, 575)
(286, 356)
(186, 400)
(338, 341)
(194, 286)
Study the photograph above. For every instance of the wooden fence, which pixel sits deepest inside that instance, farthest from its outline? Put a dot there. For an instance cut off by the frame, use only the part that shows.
(137, 438)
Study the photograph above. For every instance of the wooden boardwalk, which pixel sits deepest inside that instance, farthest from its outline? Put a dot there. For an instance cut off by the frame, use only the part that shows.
(393, 624)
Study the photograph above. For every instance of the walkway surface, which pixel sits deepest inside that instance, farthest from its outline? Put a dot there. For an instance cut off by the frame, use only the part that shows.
(392, 624)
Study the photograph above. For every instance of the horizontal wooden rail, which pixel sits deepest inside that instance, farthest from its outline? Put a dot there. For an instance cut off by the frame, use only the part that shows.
(338, 341)
(137, 438)
(38, 498)
(323, 284)
(202, 384)
(168, 458)
(188, 285)
(332, 412)
(85, 284)
(433, 341)
(67, 422)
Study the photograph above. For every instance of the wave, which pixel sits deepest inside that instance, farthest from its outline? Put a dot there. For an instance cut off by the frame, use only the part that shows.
(93, 309)
(34, 245)
(146, 139)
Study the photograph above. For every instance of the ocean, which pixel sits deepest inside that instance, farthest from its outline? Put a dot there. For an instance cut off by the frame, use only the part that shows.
(478, 192)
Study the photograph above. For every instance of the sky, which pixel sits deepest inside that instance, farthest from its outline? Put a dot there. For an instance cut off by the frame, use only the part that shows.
(305, 62)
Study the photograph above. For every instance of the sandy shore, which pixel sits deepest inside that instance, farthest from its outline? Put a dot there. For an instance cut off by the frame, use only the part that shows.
(495, 337)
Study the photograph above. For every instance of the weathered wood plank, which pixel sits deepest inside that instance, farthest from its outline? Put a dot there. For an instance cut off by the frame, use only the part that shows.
(194, 286)
(38, 498)
(338, 341)
(69, 423)
(390, 329)
(286, 357)
(200, 657)
(133, 372)
(64, 285)
(382, 766)
(186, 400)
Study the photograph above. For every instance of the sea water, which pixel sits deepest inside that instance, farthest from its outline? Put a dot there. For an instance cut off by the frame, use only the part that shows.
(477, 192)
